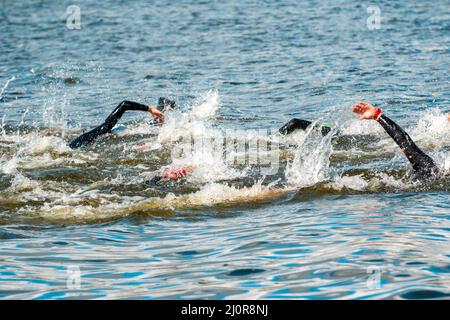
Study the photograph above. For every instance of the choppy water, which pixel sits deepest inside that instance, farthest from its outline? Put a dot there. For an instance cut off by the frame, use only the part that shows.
(339, 214)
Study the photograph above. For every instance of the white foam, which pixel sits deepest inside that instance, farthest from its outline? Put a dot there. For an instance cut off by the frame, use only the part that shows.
(8, 166)
(196, 144)
(210, 195)
(208, 107)
(311, 163)
(361, 127)
(432, 129)
(21, 183)
(349, 182)
(309, 166)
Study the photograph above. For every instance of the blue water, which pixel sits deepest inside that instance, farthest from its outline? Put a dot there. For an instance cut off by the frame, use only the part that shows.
(342, 219)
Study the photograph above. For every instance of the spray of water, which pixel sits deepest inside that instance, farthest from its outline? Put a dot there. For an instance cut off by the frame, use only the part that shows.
(93, 185)
(6, 86)
(311, 163)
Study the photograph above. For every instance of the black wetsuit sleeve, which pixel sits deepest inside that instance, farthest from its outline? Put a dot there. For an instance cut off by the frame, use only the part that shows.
(424, 167)
(109, 123)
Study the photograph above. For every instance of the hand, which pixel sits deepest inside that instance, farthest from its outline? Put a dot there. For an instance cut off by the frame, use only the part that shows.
(448, 117)
(157, 115)
(366, 111)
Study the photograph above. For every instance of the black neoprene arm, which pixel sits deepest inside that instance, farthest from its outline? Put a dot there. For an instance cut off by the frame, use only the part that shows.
(109, 123)
(423, 165)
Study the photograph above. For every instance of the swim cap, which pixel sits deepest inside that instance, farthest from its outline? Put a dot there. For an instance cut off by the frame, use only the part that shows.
(174, 173)
(164, 102)
(325, 129)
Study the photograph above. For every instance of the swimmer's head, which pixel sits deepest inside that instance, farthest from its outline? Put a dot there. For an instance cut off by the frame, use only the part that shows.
(165, 104)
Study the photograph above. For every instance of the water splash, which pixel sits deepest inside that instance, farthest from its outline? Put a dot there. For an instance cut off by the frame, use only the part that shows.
(90, 189)
(6, 86)
(311, 163)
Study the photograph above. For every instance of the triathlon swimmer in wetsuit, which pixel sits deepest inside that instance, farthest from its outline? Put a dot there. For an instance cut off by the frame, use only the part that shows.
(106, 127)
(423, 165)
(157, 112)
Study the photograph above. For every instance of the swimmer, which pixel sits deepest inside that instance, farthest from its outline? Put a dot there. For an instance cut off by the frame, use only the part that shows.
(156, 111)
(174, 173)
(424, 167)
(110, 122)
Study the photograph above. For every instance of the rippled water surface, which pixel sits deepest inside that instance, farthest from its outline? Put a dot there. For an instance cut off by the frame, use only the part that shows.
(339, 218)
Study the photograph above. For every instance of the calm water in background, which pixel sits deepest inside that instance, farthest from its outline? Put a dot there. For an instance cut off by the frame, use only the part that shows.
(331, 231)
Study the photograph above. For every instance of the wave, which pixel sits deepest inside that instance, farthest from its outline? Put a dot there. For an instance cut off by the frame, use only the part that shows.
(42, 178)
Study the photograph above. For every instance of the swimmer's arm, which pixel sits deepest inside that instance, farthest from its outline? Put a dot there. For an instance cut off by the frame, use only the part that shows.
(112, 120)
(135, 106)
(403, 140)
(422, 164)
(130, 105)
